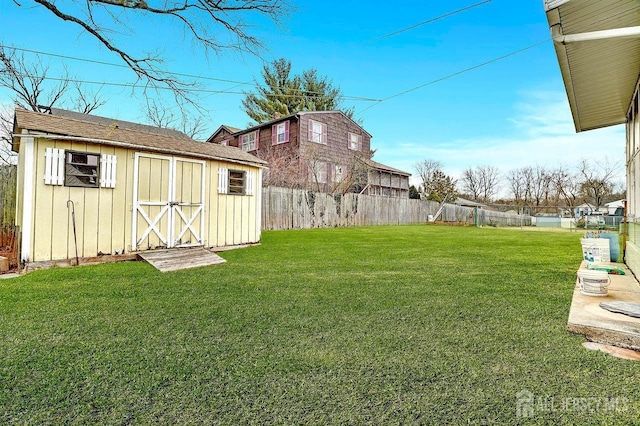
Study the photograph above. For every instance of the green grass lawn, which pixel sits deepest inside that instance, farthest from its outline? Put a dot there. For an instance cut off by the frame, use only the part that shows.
(383, 325)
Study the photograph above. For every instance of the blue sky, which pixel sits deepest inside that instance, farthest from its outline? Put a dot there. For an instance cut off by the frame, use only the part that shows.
(510, 113)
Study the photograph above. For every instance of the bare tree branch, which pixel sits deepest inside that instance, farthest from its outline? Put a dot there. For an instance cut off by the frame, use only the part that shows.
(160, 115)
(206, 21)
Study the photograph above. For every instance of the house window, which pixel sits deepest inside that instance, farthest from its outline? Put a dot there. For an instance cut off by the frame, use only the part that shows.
(355, 141)
(82, 169)
(339, 173)
(236, 182)
(225, 142)
(280, 133)
(317, 132)
(318, 172)
(249, 141)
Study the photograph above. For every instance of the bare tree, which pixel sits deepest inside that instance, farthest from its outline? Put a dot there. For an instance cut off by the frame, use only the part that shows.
(7, 156)
(425, 170)
(33, 91)
(191, 124)
(597, 180)
(471, 182)
(28, 81)
(86, 101)
(539, 184)
(518, 186)
(567, 186)
(481, 183)
(352, 176)
(490, 182)
(284, 167)
(214, 25)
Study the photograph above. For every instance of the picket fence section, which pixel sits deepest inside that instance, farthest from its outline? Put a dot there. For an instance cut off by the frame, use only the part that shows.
(285, 208)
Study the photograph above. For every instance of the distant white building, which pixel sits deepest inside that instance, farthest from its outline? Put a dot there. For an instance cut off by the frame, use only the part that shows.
(583, 209)
(613, 206)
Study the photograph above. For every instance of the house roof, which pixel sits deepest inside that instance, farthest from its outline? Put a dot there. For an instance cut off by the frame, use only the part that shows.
(467, 203)
(379, 166)
(616, 203)
(286, 117)
(228, 129)
(600, 68)
(143, 138)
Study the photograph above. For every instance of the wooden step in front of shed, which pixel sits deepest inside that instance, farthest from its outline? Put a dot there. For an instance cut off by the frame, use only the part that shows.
(177, 259)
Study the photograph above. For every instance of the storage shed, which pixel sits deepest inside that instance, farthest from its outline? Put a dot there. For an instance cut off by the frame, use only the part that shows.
(130, 188)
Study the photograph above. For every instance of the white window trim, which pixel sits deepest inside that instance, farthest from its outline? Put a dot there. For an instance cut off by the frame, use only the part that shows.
(323, 132)
(358, 142)
(248, 144)
(275, 133)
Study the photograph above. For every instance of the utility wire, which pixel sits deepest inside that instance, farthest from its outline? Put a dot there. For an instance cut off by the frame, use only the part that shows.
(133, 85)
(446, 77)
(155, 87)
(111, 64)
(430, 20)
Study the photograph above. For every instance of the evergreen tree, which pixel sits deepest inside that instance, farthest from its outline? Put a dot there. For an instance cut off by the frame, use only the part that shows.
(283, 93)
(414, 193)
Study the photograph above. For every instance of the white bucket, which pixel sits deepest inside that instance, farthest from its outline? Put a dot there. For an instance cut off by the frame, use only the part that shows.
(596, 250)
(593, 283)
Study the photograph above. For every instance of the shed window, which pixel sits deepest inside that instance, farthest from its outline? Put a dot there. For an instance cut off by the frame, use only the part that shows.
(82, 169)
(236, 182)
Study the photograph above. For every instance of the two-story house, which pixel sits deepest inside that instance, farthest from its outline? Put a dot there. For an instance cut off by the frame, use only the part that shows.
(321, 150)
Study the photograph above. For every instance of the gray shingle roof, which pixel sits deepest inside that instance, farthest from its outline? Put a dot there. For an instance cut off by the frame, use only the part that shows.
(379, 166)
(117, 135)
(121, 123)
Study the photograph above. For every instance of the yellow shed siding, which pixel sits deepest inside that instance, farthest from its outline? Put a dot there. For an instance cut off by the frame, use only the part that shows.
(104, 216)
(232, 218)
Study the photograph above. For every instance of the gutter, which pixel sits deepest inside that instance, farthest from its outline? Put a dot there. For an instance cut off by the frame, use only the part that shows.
(137, 147)
(622, 33)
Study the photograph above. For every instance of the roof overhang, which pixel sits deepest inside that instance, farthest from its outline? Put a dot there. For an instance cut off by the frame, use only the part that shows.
(598, 47)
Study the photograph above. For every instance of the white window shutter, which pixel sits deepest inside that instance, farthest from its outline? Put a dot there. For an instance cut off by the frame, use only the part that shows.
(223, 180)
(108, 171)
(251, 181)
(54, 166)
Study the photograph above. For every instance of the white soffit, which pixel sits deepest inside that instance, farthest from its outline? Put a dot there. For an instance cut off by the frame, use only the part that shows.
(551, 4)
(600, 76)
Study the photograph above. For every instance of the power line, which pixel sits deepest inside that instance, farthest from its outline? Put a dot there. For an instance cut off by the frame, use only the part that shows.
(446, 77)
(111, 64)
(155, 87)
(428, 21)
(134, 85)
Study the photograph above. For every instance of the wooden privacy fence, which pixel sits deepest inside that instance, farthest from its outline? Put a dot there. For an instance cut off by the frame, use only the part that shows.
(7, 205)
(285, 208)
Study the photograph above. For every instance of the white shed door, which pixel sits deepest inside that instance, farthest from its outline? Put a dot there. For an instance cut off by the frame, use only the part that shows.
(168, 200)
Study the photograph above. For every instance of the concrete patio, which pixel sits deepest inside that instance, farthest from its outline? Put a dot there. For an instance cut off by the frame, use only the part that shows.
(601, 326)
